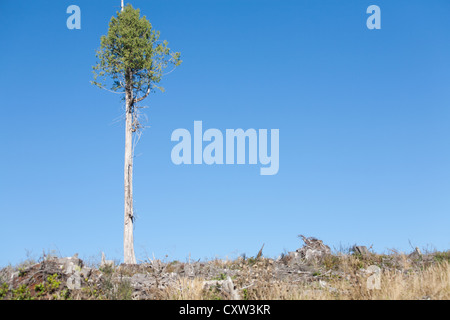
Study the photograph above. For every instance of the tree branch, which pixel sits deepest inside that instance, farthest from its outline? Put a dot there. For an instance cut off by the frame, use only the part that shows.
(165, 74)
(111, 91)
(144, 96)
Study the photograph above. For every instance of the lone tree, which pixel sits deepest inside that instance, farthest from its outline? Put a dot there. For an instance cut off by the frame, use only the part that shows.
(131, 62)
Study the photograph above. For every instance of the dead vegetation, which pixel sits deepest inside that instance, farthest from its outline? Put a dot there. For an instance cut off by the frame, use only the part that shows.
(312, 272)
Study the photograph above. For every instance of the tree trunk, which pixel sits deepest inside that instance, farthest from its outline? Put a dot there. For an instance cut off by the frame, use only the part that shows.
(128, 246)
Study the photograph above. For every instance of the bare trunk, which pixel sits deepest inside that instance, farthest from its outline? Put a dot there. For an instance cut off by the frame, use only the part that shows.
(128, 242)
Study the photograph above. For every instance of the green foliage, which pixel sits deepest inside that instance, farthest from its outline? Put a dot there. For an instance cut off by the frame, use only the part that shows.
(112, 288)
(22, 272)
(222, 276)
(251, 261)
(107, 269)
(4, 289)
(48, 287)
(214, 293)
(331, 262)
(442, 256)
(132, 55)
(91, 292)
(116, 290)
(22, 293)
(124, 290)
(53, 283)
(40, 289)
(65, 294)
(245, 293)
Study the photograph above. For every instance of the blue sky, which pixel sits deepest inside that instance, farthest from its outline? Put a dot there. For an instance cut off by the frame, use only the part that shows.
(363, 117)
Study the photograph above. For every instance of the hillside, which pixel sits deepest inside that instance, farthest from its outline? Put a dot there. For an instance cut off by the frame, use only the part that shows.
(311, 272)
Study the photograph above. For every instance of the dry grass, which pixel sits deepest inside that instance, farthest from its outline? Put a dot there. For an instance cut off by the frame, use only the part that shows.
(330, 277)
(184, 289)
(408, 283)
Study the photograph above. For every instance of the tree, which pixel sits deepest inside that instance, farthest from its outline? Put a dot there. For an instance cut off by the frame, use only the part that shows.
(131, 62)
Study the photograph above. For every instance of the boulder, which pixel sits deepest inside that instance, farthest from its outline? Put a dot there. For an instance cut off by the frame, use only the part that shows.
(74, 281)
(70, 264)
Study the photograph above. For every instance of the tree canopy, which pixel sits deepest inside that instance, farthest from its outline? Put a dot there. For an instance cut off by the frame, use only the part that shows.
(132, 54)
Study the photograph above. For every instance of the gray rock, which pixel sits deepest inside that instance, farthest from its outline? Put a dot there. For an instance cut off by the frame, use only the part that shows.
(74, 281)
(70, 265)
(73, 268)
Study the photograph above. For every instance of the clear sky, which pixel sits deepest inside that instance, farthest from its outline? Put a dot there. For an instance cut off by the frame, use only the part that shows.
(364, 120)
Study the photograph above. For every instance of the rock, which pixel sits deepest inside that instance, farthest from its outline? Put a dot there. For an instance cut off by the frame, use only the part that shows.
(74, 281)
(70, 265)
(73, 267)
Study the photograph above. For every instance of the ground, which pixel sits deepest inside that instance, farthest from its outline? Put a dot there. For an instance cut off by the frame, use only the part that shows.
(311, 272)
